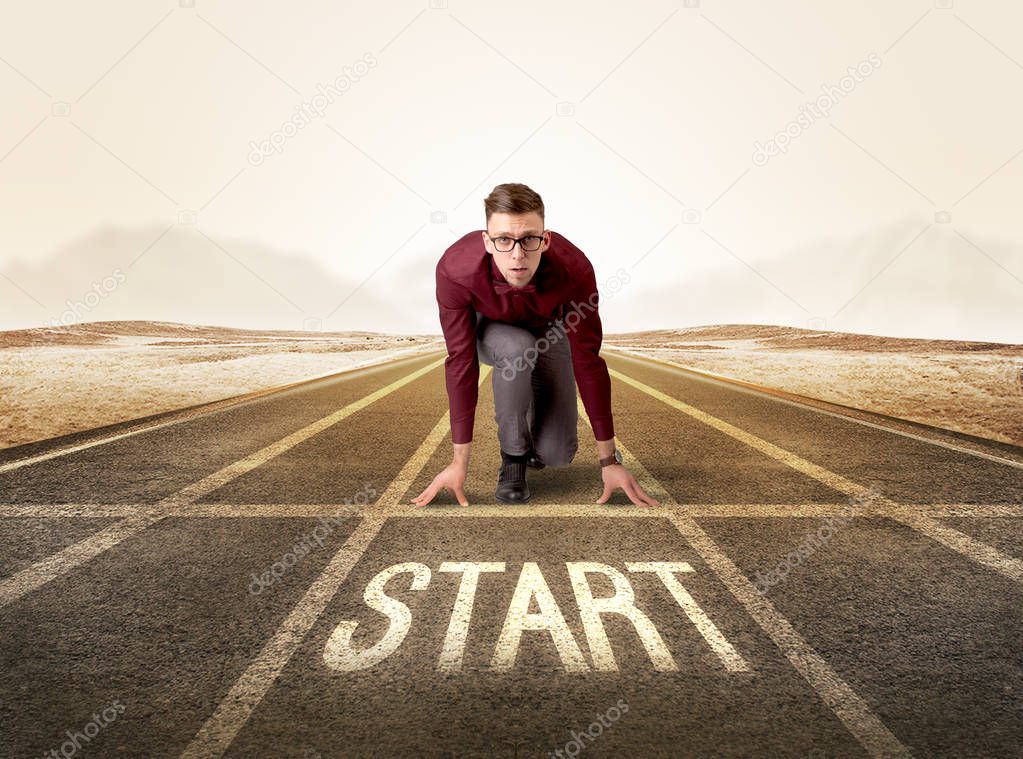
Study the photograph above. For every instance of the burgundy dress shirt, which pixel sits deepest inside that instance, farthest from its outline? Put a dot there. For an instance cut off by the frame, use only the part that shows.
(563, 288)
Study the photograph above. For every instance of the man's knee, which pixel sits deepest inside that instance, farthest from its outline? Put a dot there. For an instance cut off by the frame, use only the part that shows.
(513, 350)
(555, 456)
(509, 341)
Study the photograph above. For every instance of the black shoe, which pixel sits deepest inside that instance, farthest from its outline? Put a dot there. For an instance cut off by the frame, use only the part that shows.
(511, 481)
(533, 460)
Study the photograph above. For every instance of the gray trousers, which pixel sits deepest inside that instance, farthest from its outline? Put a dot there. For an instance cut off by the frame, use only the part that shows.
(534, 389)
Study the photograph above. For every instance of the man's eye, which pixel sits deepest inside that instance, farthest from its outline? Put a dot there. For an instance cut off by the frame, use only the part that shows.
(504, 240)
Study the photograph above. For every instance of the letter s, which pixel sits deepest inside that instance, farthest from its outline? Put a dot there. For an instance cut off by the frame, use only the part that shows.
(339, 654)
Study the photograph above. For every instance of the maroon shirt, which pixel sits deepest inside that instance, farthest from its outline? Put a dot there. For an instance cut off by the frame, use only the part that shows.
(563, 287)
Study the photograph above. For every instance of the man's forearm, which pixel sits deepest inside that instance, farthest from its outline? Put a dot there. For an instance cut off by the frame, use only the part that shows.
(461, 454)
(605, 448)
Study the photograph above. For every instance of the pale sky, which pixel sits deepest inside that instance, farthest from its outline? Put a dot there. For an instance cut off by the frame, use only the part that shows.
(127, 167)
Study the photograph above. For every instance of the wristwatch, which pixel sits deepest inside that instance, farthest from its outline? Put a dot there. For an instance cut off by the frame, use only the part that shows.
(615, 458)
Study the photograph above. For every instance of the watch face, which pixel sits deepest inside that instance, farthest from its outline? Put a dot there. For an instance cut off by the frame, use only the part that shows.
(618, 456)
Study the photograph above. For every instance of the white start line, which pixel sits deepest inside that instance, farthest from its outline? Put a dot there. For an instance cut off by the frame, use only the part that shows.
(340, 655)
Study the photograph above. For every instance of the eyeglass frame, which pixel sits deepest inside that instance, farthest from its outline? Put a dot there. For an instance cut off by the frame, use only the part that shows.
(517, 241)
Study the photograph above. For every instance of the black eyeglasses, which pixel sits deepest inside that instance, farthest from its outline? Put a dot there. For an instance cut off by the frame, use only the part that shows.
(529, 243)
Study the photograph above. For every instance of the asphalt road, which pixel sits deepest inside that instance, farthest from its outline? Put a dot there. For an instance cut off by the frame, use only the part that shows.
(254, 582)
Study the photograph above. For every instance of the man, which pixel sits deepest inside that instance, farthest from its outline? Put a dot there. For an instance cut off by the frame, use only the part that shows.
(523, 299)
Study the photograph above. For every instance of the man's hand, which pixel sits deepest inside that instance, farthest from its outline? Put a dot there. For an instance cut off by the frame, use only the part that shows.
(452, 478)
(617, 476)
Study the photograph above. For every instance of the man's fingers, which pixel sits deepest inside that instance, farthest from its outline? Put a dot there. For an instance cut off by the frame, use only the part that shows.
(426, 496)
(649, 498)
(630, 490)
(638, 495)
(460, 495)
(606, 494)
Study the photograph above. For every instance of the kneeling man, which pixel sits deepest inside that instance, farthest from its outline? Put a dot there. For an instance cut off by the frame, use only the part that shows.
(523, 299)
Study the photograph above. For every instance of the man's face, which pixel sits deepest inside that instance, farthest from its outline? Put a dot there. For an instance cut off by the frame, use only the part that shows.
(517, 266)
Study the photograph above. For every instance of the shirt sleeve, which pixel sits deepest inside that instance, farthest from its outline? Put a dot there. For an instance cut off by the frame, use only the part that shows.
(585, 335)
(461, 367)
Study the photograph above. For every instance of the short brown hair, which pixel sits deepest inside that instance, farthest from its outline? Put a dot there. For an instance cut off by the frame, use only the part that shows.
(512, 198)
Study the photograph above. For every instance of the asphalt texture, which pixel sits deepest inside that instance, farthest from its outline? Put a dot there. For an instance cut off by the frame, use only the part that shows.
(253, 582)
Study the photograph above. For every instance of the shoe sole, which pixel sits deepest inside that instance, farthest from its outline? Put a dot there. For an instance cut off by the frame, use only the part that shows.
(503, 500)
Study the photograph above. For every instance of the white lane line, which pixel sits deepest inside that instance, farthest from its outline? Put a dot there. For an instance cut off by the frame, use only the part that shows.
(725, 651)
(42, 572)
(772, 393)
(963, 544)
(535, 509)
(72, 510)
(62, 562)
(846, 704)
(972, 549)
(217, 733)
(946, 510)
(218, 479)
(184, 416)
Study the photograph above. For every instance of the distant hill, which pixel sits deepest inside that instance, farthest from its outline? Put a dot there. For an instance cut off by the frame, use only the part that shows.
(111, 332)
(707, 337)
(788, 338)
(170, 275)
(894, 279)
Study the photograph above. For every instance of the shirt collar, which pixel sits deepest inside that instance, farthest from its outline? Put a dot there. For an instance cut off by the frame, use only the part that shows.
(537, 284)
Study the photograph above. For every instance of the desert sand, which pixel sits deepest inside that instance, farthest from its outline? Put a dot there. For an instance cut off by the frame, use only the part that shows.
(970, 387)
(59, 380)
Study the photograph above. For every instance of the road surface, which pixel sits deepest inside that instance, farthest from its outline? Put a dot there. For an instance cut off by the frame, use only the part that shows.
(253, 581)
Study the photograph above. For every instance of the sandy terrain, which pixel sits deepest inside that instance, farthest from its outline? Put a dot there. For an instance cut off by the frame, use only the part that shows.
(55, 381)
(970, 387)
(59, 380)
